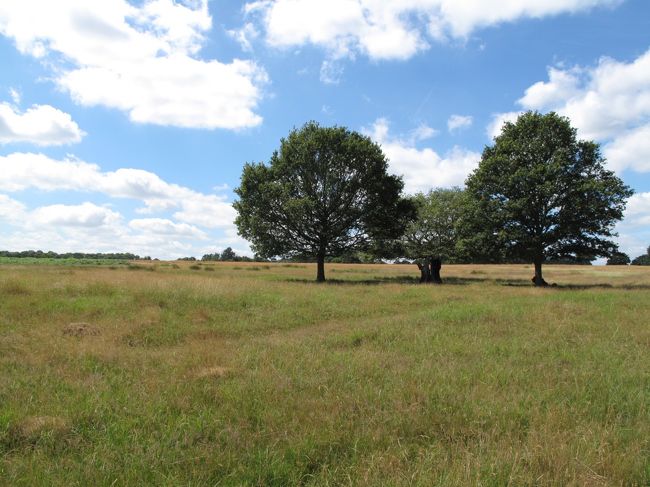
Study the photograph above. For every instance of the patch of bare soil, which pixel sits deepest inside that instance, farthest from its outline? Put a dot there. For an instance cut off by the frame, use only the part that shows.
(80, 330)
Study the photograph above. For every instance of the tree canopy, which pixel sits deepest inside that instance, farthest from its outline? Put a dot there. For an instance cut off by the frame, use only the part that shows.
(325, 192)
(541, 194)
(618, 258)
(642, 259)
(433, 235)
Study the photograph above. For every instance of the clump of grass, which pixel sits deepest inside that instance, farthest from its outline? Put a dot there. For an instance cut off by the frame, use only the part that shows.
(14, 287)
(209, 269)
(80, 330)
(34, 430)
(136, 267)
(195, 267)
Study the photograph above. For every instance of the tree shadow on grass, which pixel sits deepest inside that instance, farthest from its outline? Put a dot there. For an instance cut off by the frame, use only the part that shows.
(452, 281)
(574, 287)
(464, 281)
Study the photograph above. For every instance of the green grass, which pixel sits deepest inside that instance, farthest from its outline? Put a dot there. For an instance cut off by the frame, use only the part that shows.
(233, 377)
(64, 262)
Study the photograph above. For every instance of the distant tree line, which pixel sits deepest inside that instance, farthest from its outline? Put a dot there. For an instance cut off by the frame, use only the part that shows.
(229, 255)
(619, 258)
(39, 254)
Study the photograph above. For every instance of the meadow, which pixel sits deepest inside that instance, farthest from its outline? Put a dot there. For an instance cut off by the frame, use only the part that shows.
(195, 374)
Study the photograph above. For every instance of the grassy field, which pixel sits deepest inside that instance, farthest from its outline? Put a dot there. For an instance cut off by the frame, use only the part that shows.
(64, 262)
(251, 374)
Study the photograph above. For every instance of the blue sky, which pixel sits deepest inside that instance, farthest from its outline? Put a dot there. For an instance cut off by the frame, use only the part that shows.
(124, 125)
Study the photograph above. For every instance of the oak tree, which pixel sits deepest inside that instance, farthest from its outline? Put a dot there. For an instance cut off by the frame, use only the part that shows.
(541, 194)
(325, 192)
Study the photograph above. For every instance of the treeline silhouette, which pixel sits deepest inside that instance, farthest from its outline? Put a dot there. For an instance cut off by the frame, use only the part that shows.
(39, 254)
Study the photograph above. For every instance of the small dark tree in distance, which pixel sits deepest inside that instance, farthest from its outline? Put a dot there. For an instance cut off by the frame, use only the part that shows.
(433, 236)
(325, 192)
(228, 255)
(542, 194)
(618, 258)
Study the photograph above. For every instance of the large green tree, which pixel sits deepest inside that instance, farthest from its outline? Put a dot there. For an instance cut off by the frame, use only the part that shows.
(541, 194)
(325, 192)
(432, 237)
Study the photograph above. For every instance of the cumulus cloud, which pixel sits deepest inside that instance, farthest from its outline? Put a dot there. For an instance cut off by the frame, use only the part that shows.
(630, 150)
(20, 171)
(634, 230)
(41, 125)
(392, 30)
(424, 168)
(608, 103)
(138, 58)
(163, 226)
(84, 215)
(603, 101)
(459, 122)
(11, 210)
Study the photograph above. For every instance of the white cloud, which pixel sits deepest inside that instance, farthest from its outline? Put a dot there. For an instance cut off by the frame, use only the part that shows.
(83, 215)
(634, 230)
(608, 103)
(424, 132)
(11, 210)
(163, 226)
(423, 169)
(139, 59)
(498, 120)
(630, 151)
(459, 122)
(41, 125)
(603, 101)
(562, 85)
(331, 72)
(19, 171)
(245, 36)
(15, 96)
(392, 30)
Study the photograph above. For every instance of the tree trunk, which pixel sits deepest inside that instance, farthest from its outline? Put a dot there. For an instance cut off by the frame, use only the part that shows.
(538, 279)
(320, 273)
(425, 273)
(436, 265)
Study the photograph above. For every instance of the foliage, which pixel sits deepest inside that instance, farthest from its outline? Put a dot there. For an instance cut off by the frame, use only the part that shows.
(642, 259)
(228, 254)
(71, 262)
(325, 192)
(433, 236)
(435, 230)
(618, 258)
(541, 194)
(39, 254)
